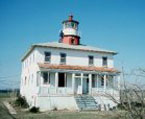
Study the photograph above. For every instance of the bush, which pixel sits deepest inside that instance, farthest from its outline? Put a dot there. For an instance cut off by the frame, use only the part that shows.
(34, 109)
(126, 104)
(54, 109)
(21, 101)
(136, 104)
(120, 106)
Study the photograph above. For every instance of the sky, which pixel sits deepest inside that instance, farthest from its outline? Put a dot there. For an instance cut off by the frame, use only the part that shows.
(117, 25)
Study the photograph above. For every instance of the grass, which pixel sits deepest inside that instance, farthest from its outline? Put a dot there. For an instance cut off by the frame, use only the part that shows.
(25, 114)
(67, 115)
(4, 95)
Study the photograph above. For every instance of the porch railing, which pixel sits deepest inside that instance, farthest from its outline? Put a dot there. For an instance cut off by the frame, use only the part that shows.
(108, 92)
(46, 91)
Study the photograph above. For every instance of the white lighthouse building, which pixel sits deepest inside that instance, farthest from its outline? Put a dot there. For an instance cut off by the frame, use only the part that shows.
(69, 75)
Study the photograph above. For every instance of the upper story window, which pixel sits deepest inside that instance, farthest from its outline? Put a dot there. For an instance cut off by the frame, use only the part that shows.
(47, 56)
(45, 78)
(62, 58)
(33, 57)
(104, 61)
(25, 80)
(26, 63)
(32, 79)
(91, 60)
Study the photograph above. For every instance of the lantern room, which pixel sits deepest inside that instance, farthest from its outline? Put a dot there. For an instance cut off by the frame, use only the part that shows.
(69, 33)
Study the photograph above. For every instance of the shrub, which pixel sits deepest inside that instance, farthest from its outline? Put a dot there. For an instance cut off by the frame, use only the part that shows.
(136, 104)
(120, 106)
(21, 101)
(54, 108)
(126, 105)
(34, 109)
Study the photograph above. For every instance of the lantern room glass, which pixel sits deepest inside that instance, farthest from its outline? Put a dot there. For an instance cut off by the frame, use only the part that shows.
(70, 25)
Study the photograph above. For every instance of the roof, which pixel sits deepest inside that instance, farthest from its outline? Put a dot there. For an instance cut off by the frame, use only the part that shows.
(70, 21)
(70, 47)
(73, 67)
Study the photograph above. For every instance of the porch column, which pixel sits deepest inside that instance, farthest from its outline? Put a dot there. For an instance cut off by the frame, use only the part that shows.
(82, 83)
(73, 83)
(90, 83)
(41, 78)
(56, 81)
(38, 81)
(104, 82)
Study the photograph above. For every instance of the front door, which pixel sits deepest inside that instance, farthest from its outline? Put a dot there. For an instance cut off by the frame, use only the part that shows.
(78, 88)
(85, 86)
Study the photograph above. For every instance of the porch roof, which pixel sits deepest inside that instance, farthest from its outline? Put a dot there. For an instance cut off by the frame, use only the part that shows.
(76, 67)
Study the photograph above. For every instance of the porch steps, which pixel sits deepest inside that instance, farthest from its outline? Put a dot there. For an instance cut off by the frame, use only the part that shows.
(86, 102)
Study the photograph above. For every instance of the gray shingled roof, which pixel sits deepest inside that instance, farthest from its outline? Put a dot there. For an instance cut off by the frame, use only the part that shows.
(71, 47)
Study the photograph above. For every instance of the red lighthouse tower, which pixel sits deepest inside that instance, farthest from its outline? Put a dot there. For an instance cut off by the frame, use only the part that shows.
(69, 34)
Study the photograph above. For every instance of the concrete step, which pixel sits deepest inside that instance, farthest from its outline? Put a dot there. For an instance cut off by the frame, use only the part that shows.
(86, 102)
(84, 99)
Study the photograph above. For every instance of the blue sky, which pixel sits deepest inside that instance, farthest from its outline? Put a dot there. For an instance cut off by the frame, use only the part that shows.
(111, 24)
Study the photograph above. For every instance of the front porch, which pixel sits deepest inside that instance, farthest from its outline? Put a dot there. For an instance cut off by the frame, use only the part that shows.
(67, 83)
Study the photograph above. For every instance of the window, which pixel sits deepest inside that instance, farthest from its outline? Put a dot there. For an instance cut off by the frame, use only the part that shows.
(102, 81)
(27, 62)
(70, 25)
(72, 41)
(32, 79)
(104, 62)
(47, 56)
(29, 78)
(45, 77)
(33, 57)
(62, 58)
(25, 80)
(91, 60)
